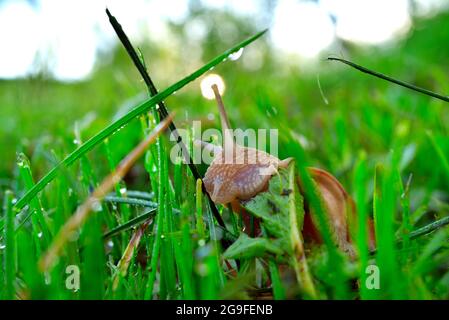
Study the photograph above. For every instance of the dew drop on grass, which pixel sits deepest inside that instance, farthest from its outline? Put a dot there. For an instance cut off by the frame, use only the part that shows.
(210, 116)
(47, 278)
(96, 206)
(236, 55)
(123, 191)
(202, 269)
(109, 245)
(201, 242)
(2, 246)
(21, 160)
(39, 235)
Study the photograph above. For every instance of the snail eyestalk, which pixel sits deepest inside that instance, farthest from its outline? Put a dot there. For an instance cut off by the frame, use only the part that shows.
(228, 139)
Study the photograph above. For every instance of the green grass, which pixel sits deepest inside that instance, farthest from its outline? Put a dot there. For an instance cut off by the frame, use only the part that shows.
(387, 145)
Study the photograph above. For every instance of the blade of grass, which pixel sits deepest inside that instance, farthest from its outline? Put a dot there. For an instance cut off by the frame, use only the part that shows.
(138, 194)
(27, 263)
(142, 108)
(131, 201)
(299, 260)
(9, 256)
(406, 226)
(429, 228)
(92, 259)
(360, 181)
(124, 209)
(37, 219)
(440, 153)
(390, 79)
(199, 211)
(167, 264)
(129, 224)
(154, 256)
(83, 211)
(384, 201)
(124, 262)
(184, 257)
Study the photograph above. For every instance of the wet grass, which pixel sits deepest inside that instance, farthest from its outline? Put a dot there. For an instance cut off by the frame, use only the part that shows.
(155, 236)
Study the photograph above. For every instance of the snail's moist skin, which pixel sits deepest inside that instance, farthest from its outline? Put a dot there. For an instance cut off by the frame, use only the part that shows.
(240, 175)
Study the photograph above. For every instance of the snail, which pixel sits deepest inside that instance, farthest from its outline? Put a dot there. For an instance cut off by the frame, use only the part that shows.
(239, 173)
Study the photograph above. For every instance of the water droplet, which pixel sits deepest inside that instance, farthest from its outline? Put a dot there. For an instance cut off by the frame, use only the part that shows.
(201, 242)
(2, 246)
(39, 235)
(96, 206)
(76, 141)
(236, 55)
(21, 160)
(47, 278)
(202, 269)
(123, 191)
(162, 236)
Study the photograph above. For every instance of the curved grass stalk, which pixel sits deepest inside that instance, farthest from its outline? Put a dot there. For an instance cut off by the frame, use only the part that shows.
(131, 223)
(390, 79)
(131, 201)
(124, 262)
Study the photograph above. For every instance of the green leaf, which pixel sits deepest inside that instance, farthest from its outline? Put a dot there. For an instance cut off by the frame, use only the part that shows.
(245, 247)
(272, 206)
(281, 209)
